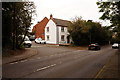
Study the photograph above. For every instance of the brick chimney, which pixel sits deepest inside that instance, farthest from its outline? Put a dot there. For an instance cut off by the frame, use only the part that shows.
(51, 16)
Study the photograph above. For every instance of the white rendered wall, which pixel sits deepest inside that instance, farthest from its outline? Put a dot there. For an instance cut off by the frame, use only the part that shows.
(51, 33)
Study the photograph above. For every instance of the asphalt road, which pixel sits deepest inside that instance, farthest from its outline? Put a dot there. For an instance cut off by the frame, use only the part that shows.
(59, 62)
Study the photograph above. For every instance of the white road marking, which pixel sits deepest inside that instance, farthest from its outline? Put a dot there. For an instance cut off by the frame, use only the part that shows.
(45, 56)
(14, 63)
(24, 61)
(45, 67)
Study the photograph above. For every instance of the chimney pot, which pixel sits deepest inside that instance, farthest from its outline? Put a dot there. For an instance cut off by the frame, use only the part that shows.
(51, 16)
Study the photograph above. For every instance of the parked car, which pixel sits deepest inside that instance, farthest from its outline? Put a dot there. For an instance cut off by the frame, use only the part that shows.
(115, 46)
(94, 46)
(40, 41)
(27, 42)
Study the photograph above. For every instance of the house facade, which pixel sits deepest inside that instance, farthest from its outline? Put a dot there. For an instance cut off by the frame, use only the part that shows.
(56, 31)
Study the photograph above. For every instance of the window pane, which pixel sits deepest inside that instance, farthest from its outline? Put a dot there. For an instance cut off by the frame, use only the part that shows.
(47, 29)
(48, 37)
(62, 29)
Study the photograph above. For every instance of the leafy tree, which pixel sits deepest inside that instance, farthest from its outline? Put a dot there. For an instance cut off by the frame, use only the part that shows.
(98, 34)
(16, 20)
(86, 32)
(111, 12)
(77, 31)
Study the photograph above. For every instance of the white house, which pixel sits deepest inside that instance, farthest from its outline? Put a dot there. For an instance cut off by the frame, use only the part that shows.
(56, 31)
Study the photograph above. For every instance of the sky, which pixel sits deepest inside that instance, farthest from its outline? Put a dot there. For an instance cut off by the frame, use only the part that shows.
(67, 10)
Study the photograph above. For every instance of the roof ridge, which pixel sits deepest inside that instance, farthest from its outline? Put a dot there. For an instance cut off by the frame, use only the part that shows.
(61, 22)
(61, 19)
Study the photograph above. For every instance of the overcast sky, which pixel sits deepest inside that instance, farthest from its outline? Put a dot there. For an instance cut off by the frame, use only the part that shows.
(67, 9)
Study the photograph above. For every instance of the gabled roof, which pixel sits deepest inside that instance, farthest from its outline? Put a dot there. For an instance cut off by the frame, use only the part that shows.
(42, 23)
(39, 28)
(60, 22)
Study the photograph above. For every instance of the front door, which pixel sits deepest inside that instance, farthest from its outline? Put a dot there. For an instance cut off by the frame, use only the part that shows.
(68, 39)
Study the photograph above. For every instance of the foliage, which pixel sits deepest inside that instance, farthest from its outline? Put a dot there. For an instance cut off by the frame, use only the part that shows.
(16, 20)
(76, 30)
(111, 12)
(86, 32)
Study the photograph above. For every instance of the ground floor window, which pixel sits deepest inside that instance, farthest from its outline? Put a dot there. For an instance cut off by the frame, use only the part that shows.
(62, 38)
(48, 38)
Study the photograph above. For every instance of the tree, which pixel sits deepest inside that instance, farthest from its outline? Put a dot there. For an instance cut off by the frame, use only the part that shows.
(77, 31)
(111, 12)
(98, 34)
(16, 20)
(86, 32)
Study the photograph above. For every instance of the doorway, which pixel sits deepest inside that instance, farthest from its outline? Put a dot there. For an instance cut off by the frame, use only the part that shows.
(68, 39)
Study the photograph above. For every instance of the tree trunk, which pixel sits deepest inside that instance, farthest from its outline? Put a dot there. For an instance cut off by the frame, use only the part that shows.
(13, 27)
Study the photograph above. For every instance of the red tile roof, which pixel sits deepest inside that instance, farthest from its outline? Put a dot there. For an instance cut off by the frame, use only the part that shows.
(39, 28)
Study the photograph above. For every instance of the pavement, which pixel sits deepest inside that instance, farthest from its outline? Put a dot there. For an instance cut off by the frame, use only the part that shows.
(110, 70)
(27, 54)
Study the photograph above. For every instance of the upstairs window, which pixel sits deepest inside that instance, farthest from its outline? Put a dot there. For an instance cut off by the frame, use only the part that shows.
(62, 29)
(47, 29)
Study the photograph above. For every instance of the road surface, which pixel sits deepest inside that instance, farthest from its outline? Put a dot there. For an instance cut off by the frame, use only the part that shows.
(59, 62)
